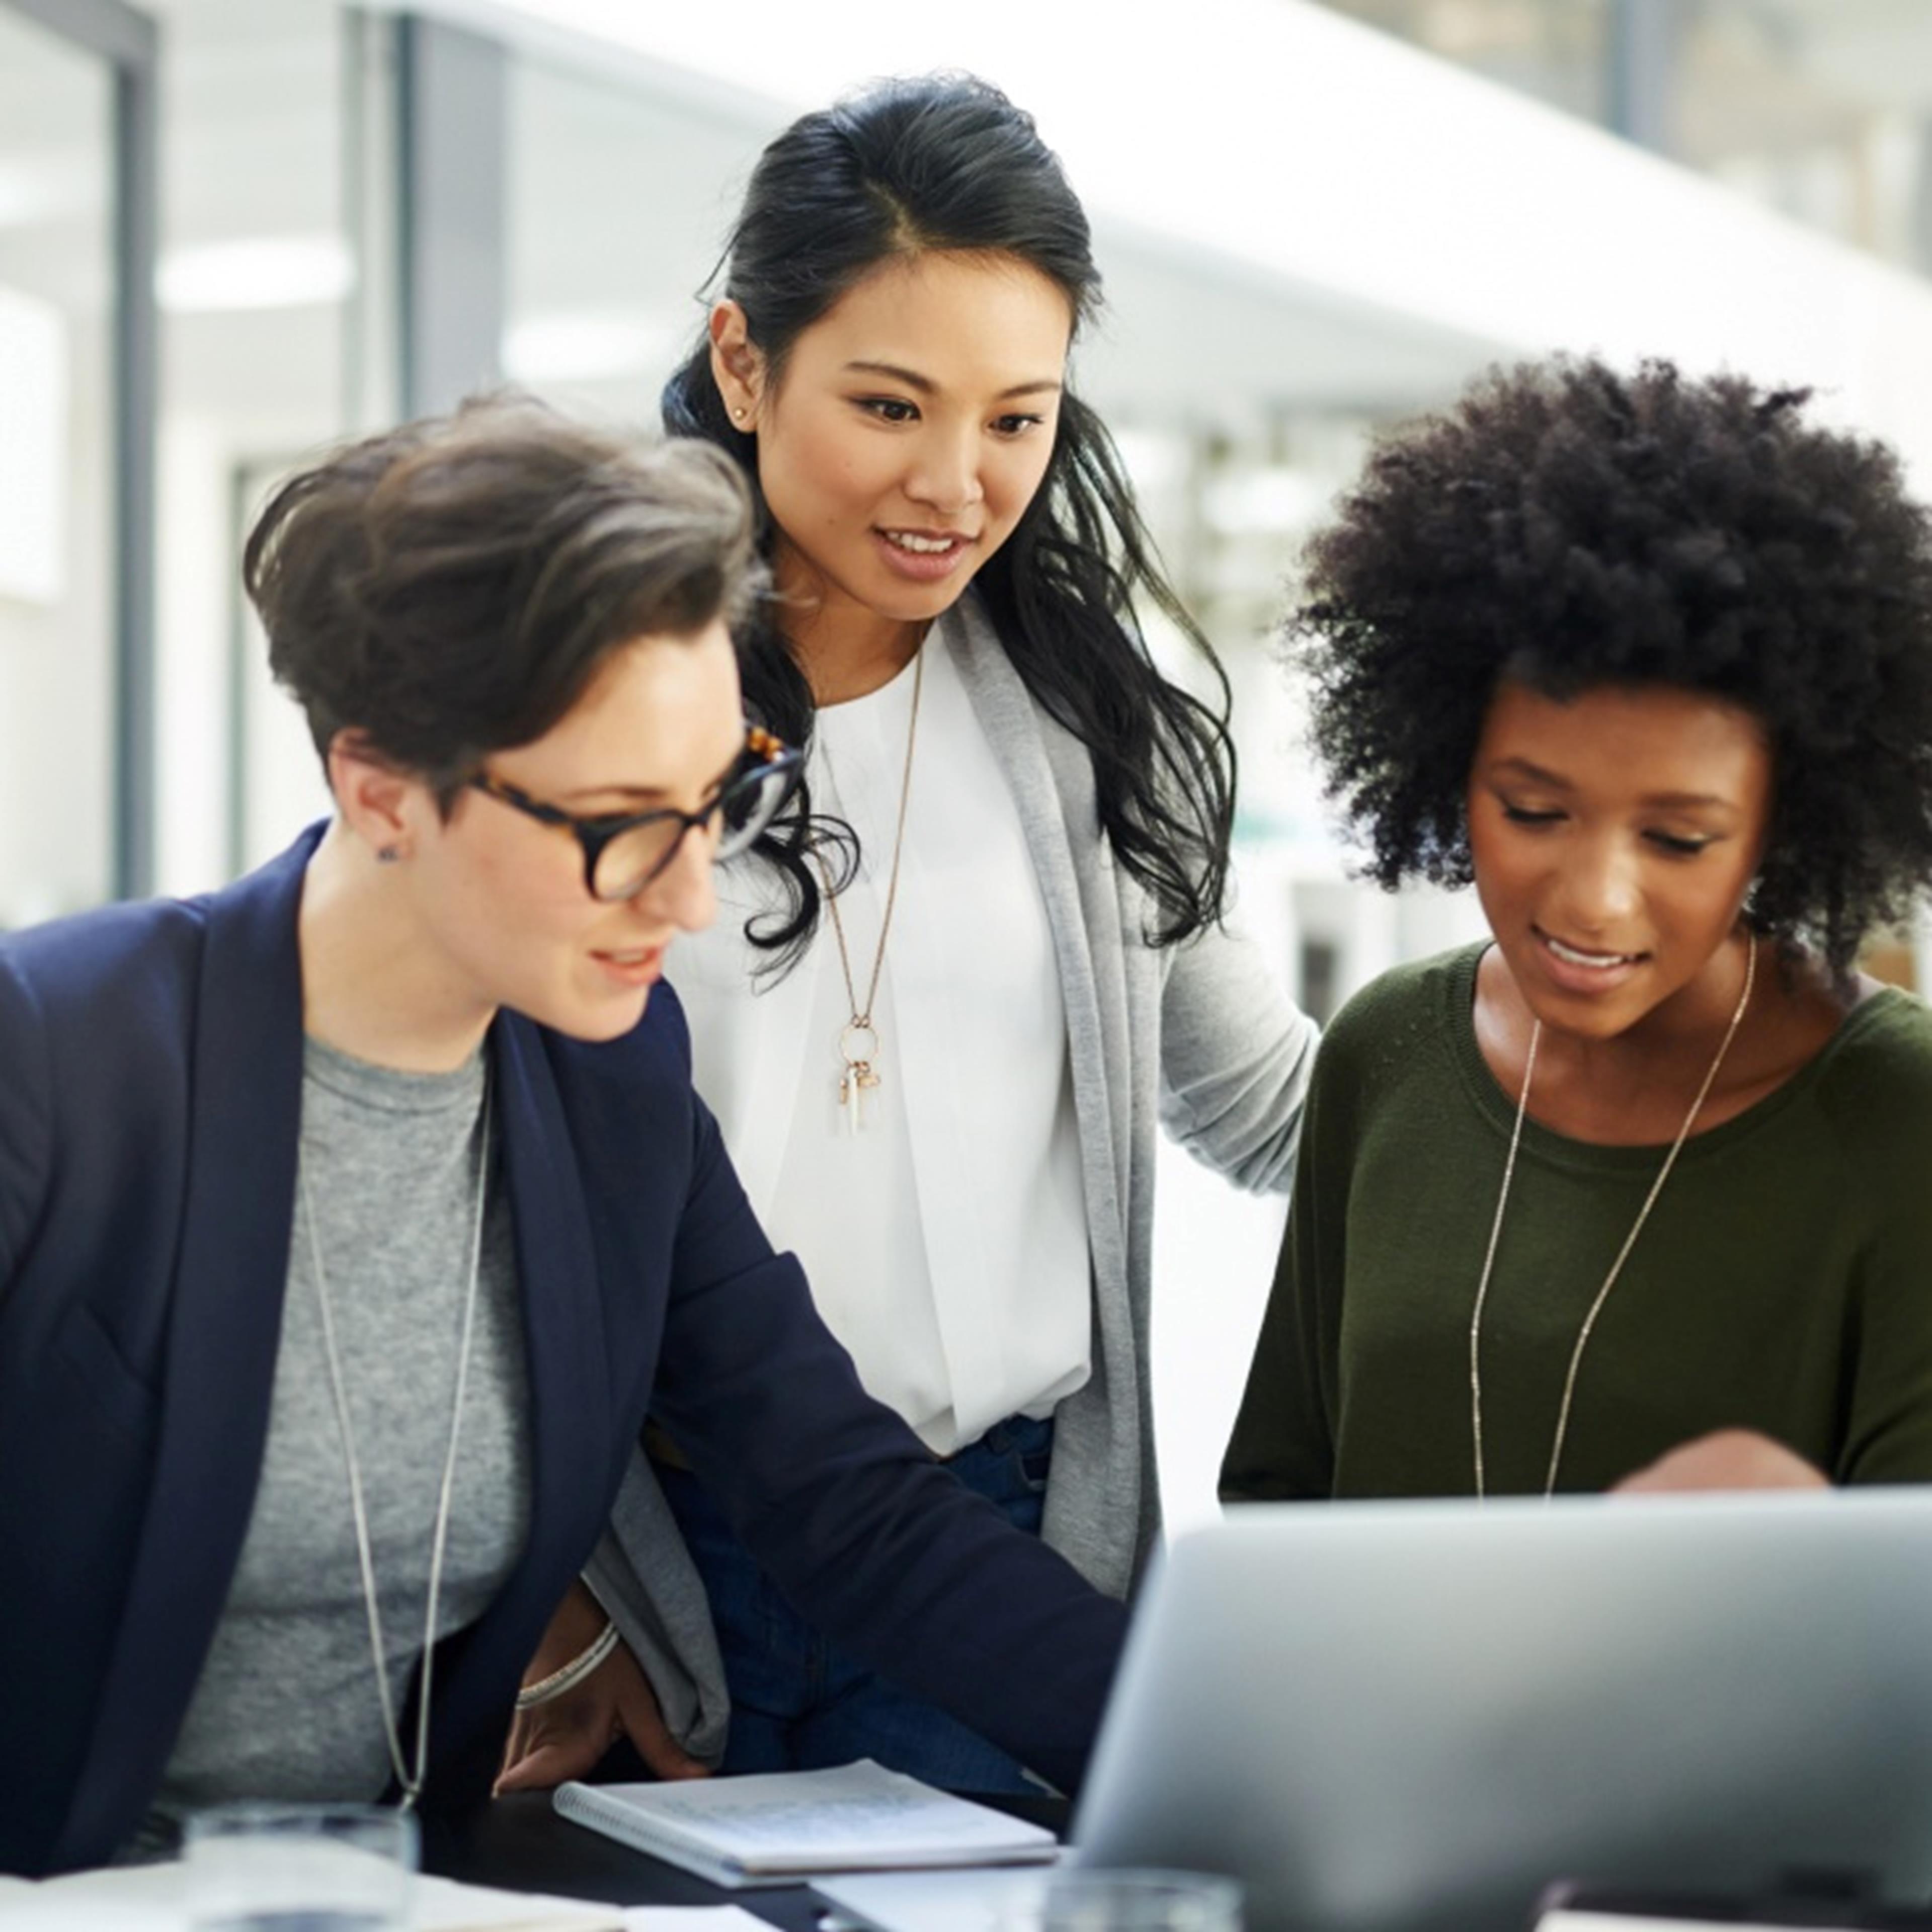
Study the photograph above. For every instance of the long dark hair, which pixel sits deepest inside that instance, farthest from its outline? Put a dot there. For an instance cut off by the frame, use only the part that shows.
(948, 163)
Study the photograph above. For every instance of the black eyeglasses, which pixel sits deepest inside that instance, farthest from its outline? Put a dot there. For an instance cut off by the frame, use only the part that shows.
(624, 852)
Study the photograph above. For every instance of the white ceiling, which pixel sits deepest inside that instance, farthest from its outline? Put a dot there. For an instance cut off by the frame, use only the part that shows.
(623, 172)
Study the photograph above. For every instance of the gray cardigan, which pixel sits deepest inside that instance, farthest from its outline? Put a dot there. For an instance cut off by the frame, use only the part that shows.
(1198, 1038)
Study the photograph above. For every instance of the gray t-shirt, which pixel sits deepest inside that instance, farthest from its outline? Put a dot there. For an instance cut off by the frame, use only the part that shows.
(287, 1706)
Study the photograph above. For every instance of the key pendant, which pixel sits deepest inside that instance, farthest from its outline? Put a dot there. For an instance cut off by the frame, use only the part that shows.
(852, 1086)
(856, 1042)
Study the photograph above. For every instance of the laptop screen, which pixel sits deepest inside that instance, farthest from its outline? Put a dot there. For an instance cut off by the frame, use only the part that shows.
(1414, 1717)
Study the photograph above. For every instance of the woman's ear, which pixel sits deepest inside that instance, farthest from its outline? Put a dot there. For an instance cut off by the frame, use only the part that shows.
(378, 802)
(737, 366)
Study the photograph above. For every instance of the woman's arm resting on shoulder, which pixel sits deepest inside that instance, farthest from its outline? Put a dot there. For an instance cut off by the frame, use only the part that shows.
(1726, 1459)
(1236, 1055)
(564, 1736)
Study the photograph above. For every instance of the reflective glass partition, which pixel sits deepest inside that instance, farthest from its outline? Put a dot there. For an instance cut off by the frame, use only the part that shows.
(261, 286)
(618, 199)
(57, 616)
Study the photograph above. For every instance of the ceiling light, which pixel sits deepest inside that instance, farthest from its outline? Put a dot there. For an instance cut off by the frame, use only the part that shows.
(263, 272)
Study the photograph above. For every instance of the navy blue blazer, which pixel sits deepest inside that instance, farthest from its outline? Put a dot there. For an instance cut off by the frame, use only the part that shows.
(150, 1060)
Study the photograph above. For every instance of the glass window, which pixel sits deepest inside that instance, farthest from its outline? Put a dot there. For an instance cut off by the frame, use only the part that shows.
(261, 291)
(56, 467)
(618, 201)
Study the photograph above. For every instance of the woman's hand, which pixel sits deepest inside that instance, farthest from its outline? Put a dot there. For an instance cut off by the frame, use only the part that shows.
(1726, 1459)
(564, 1737)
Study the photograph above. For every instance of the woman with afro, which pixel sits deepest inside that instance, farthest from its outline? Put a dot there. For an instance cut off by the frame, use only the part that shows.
(1648, 661)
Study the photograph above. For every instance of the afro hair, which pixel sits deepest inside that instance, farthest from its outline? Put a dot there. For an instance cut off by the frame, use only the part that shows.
(1569, 527)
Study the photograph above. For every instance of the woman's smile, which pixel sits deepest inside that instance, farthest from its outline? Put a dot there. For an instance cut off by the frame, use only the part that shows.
(924, 557)
(1585, 970)
(640, 966)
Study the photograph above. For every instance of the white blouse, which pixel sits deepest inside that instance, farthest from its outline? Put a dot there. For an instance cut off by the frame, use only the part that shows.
(945, 1238)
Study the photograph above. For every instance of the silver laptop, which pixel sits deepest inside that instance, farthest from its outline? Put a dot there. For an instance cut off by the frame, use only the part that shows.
(1413, 1717)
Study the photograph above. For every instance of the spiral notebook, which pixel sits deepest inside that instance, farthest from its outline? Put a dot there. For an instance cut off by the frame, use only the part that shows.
(781, 1827)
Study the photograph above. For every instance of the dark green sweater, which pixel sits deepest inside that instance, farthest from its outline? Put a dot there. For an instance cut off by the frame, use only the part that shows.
(1783, 1282)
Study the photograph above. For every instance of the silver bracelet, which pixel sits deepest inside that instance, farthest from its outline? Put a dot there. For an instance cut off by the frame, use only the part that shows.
(572, 1674)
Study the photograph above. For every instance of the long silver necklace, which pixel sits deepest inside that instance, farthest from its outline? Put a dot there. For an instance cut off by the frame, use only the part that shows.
(858, 1038)
(1623, 1253)
(411, 1781)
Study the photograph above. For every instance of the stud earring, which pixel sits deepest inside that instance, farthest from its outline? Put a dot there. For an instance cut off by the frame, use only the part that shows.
(387, 855)
(738, 414)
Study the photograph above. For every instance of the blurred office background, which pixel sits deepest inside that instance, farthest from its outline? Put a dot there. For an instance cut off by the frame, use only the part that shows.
(232, 230)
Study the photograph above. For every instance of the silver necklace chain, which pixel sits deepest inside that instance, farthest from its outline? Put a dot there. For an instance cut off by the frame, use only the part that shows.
(1623, 1253)
(411, 1782)
(858, 1038)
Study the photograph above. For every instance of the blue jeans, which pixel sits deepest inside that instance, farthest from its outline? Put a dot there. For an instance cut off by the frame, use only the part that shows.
(798, 1702)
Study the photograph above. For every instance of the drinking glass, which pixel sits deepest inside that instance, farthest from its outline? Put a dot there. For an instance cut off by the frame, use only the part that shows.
(299, 1868)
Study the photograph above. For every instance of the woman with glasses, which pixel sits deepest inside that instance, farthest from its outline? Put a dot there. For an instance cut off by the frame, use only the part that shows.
(950, 999)
(351, 1217)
